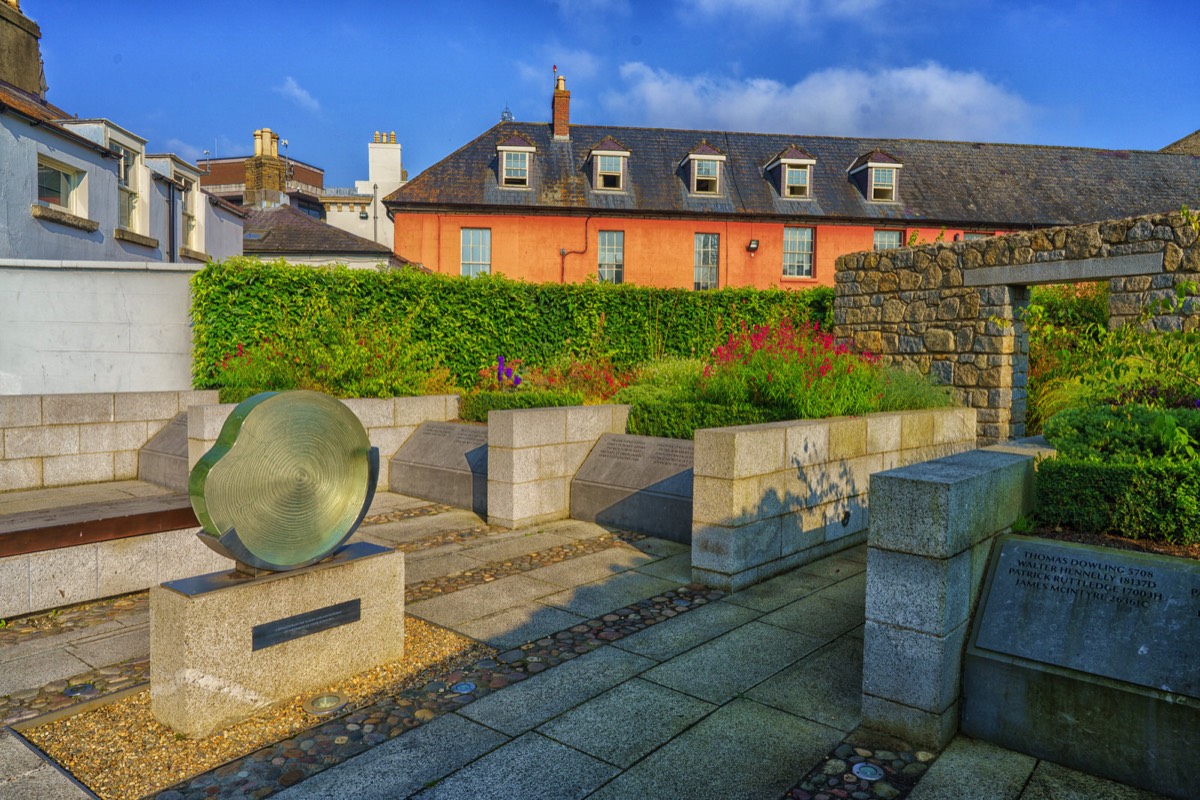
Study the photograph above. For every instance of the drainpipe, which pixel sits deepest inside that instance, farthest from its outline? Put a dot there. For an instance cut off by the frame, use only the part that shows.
(170, 221)
(564, 252)
(375, 209)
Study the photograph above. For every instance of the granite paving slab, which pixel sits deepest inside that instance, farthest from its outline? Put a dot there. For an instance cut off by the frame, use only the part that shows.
(852, 591)
(535, 700)
(734, 662)
(817, 615)
(975, 769)
(838, 567)
(404, 765)
(25, 776)
(597, 597)
(510, 547)
(668, 639)
(531, 766)
(825, 686)
(677, 568)
(627, 722)
(38, 669)
(1054, 782)
(480, 601)
(109, 648)
(779, 591)
(418, 569)
(25, 500)
(742, 750)
(663, 547)
(16, 649)
(593, 567)
(421, 527)
(515, 626)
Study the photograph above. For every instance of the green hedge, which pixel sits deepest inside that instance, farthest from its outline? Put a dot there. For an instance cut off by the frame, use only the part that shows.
(474, 406)
(1138, 499)
(680, 419)
(1124, 431)
(468, 322)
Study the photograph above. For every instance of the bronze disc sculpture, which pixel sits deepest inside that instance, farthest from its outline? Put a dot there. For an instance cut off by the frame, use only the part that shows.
(288, 481)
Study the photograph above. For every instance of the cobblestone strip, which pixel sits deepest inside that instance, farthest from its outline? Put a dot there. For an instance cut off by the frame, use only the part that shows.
(288, 762)
(486, 573)
(883, 774)
(407, 513)
(56, 695)
(71, 618)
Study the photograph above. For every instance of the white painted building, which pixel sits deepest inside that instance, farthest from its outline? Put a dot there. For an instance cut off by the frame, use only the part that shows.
(360, 210)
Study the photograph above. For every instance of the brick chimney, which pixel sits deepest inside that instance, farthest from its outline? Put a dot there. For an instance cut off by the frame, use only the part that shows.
(266, 172)
(561, 106)
(20, 55)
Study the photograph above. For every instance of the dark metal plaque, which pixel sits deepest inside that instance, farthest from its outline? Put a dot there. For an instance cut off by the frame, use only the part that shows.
(322, 619)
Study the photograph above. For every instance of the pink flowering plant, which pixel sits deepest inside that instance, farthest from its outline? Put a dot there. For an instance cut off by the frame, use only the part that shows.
(794, 373)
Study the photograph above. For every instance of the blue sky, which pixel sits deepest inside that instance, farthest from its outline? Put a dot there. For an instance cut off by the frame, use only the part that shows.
(326, 75)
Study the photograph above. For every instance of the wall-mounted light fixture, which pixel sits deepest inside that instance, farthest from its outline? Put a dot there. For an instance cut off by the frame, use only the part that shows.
(753, 246)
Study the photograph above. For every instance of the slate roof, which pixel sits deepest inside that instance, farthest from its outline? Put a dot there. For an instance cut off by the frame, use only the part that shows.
(1189, 145)
(874, 157)
(284, 230)
(969, 184)
(43, 113)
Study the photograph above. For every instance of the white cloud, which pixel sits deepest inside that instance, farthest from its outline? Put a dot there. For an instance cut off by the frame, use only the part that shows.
(188, 152)
(927, 101)
(592, 9)
(770, 10)
(298, 93)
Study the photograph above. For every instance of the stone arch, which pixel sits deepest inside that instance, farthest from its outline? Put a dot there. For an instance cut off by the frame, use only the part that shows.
(953, 310)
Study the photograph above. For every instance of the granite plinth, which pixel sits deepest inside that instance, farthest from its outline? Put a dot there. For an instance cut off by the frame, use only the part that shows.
(446, 462)
(1085, 656)
(224, 647)
(640, 483)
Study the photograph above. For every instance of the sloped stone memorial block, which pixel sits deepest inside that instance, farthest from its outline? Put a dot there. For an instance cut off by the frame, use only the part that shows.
(445, 462)
(290, 478)
(1089, 657)
(639, 483)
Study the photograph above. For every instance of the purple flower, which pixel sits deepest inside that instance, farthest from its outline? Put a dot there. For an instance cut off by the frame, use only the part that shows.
(517, 382)
(508, 372)
(500, 369)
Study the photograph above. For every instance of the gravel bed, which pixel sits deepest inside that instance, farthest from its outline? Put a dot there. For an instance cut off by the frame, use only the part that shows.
(121, 752)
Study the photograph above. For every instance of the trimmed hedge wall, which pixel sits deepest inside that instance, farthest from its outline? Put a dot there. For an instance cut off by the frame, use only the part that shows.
(474, 406)
(468, 322)
(1130, 471)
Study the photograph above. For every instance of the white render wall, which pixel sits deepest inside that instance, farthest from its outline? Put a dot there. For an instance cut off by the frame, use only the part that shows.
(87, 326)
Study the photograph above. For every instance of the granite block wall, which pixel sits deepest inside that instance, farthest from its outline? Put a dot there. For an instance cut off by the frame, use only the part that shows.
(767, 498)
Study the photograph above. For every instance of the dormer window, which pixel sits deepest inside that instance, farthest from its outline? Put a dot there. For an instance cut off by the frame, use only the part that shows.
(877, 174)
(608, 165)
(516, 161)
(793, 169)
(883, 183)
(705, 169)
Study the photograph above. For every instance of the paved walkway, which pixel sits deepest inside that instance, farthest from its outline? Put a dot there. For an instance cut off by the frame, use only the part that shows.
(741, 697)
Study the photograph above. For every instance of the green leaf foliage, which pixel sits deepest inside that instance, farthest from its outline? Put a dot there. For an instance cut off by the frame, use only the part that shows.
(1139, 498)
(1125, 432)
(474, 406)
(463, 324)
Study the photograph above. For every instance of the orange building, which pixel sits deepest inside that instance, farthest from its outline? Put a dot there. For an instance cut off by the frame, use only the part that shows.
(676, 208)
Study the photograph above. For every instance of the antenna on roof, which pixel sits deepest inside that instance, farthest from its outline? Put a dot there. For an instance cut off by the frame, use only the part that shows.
(506, 115)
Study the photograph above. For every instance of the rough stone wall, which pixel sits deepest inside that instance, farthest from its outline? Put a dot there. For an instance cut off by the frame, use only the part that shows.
(953, 310)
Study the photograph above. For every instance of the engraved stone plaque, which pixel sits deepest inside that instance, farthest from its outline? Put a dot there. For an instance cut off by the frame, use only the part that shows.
(445, 462)
(1121, 614)
(642, 483)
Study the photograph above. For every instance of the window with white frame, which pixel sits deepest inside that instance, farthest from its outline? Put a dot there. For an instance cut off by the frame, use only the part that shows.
(795, 180)
(516, 168)
(57, 185)
(188, 209)
(611, 257)
(707, 260)
(476, 251)
(127, 189)
(797, 252)
(883, 184)
(706, 176)
(971, 236)
(610, 172)
(889, 240)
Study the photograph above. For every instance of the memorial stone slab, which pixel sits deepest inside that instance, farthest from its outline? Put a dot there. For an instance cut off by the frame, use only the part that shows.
(1089, 657)
(640, 483)
(445, 462)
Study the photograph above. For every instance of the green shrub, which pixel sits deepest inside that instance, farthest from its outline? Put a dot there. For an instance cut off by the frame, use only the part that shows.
(1125, 432)
(1139, 498)
(474, 406)
(680, 419)
(466, 323)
